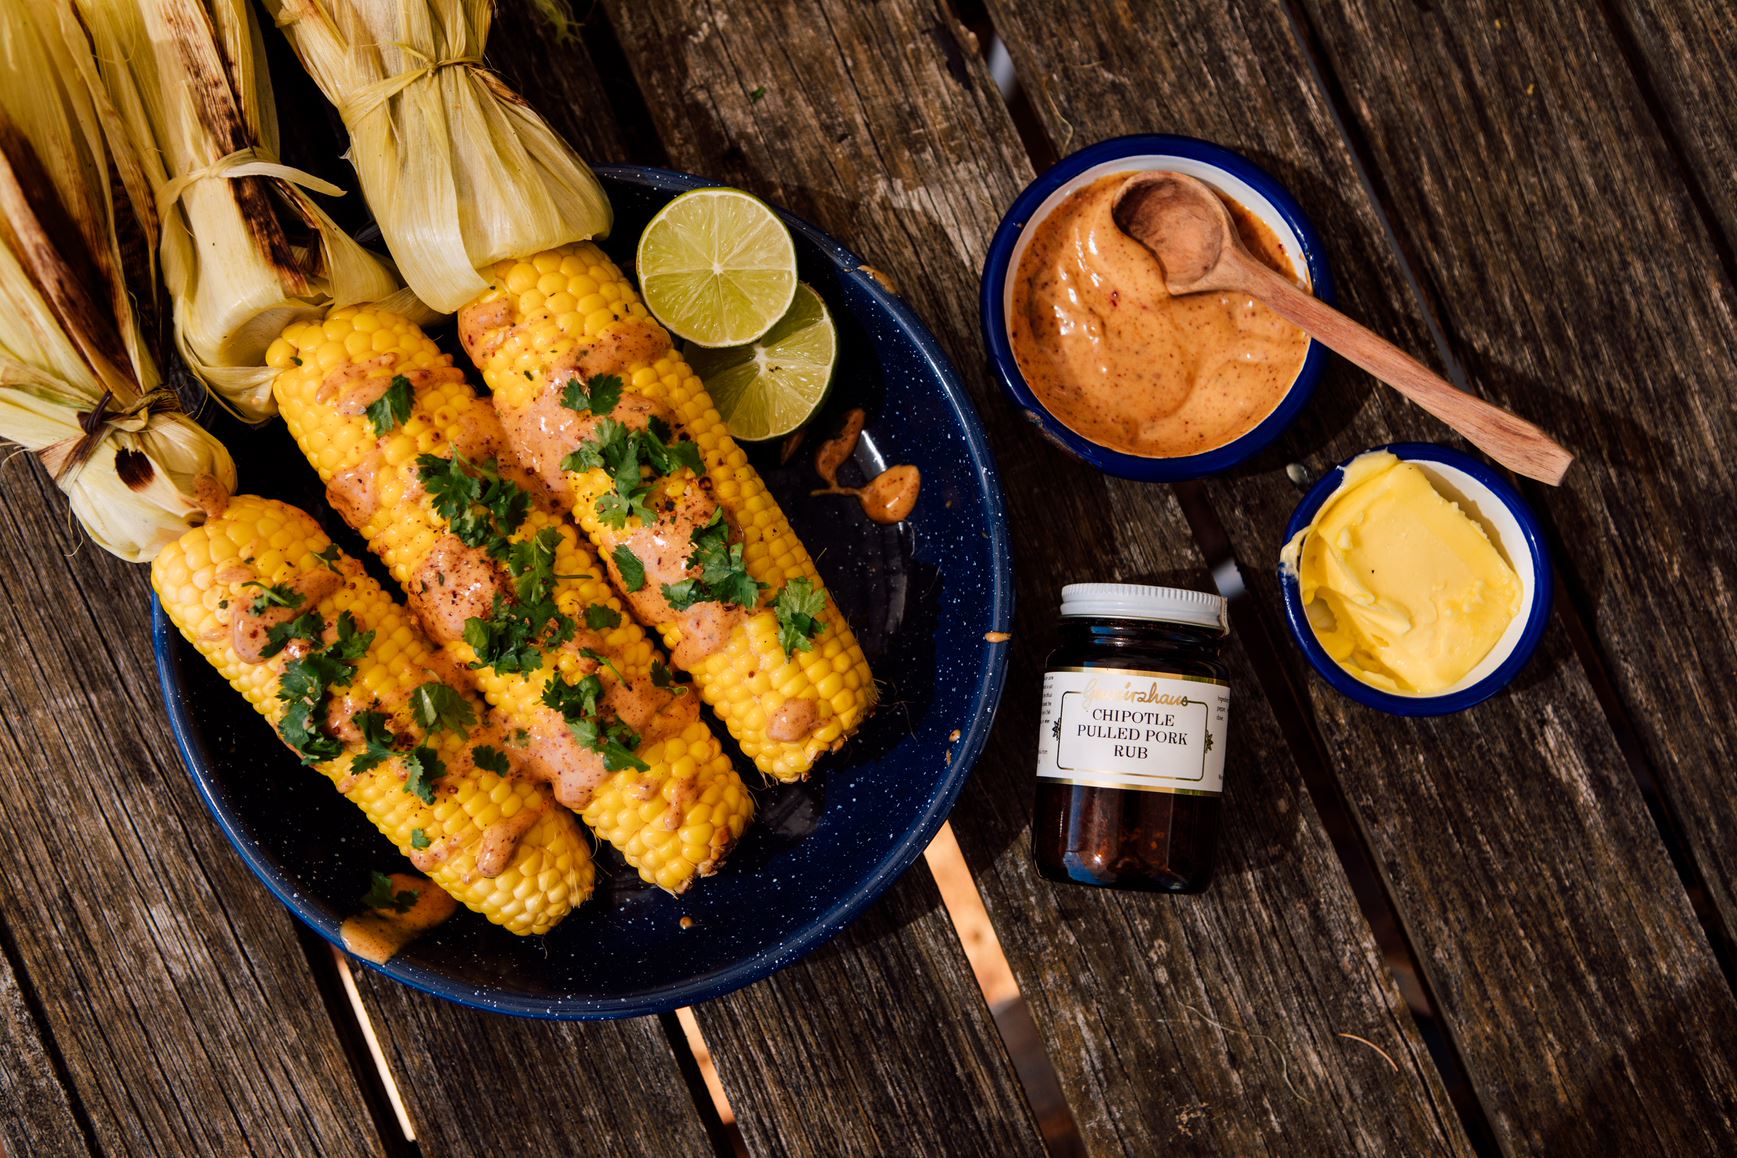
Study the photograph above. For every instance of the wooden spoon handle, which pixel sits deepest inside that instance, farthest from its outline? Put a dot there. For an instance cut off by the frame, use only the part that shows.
(1507, 438)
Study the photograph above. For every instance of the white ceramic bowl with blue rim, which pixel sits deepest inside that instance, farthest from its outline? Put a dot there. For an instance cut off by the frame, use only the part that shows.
(1230, 173)
(1496, 506)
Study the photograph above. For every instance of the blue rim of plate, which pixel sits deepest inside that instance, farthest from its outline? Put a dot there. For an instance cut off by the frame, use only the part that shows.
(825, 925)
(994, 288)
(1543, 580)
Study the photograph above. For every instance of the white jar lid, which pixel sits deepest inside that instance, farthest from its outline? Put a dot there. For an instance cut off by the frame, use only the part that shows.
(1137, 601)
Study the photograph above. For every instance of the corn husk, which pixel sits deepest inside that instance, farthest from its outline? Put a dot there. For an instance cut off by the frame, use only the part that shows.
(77, 385)
(244, 249)
(459, 171)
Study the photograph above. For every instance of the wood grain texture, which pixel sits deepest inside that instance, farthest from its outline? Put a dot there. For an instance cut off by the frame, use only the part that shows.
(36, 1109)
(1201, 1023)
(172, 983)
(1684, 48)
(484, 1084)
(877, 1043)
(1584, 285)
(1512, 838)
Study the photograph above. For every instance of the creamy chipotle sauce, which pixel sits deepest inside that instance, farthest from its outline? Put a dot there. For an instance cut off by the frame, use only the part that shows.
(1116, 359)
(377, 935)
(889, 497)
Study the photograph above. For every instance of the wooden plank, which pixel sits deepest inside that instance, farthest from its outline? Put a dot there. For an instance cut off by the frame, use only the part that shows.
(173, 985)
(1685, 48)
(878, 1043)
(480, 1083)
(1206, 1023)
(1512, 838)
(36, 1108)
(1602, 303)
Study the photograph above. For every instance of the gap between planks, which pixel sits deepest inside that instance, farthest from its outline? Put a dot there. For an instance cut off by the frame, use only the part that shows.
(1289, 701)
(1573, 603)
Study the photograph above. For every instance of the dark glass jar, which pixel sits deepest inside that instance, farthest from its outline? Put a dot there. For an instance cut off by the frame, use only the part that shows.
(1136, 710)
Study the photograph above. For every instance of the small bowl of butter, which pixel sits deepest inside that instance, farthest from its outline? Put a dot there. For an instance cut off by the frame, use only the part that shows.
(1087, 340)
(1415, 579)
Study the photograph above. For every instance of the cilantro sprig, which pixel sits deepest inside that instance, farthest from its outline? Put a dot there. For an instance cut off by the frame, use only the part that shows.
(274, 595)
(599, 394)
(392, 407)
(490, 759)
(581, 705)
(307, 681)
(380, 743)
(723, 574)
(602, 617)
(382, 896)
(481, 507)
(423, 767)
(797, 606)
(437, 706)
(634, 459)
(511, 640)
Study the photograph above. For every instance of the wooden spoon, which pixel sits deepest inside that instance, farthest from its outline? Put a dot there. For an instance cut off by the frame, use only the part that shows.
(1186, 226)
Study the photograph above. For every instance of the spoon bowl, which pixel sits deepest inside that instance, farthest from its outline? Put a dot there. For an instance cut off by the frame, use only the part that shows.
(1187, 228)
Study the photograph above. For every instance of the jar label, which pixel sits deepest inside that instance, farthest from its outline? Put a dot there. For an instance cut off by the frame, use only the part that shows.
(1149, 730)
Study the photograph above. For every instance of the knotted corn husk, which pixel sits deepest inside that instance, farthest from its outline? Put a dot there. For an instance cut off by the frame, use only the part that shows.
(77, 385)
(459, 171)
(244, 249)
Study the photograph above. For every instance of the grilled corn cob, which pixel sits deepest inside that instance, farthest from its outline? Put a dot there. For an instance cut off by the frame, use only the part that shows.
(675, 816)
(569, 315)
(263, 594)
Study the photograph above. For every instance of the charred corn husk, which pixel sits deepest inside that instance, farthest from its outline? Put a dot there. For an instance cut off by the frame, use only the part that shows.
(460, 172)
(321, 651)
(569, 316)
(670, 800)
(77, 386)
(243, 246)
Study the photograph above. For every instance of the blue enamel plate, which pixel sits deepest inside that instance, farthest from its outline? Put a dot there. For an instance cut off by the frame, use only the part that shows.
(921, 597)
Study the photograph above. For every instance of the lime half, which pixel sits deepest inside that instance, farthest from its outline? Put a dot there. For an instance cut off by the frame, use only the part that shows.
(768, 388)
(717, 267)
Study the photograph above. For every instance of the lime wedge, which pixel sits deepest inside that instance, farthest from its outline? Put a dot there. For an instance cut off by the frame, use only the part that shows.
(717, 267)
(768, 388)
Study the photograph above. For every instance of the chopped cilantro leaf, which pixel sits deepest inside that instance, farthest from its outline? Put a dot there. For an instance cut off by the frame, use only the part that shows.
(599, 395)
(797, 606)
(380, 894)
(661, 677)
(424, 767)
(377, 737)
(438, 706)
(392, 407)
(274, 595)
(602, 660)
(723, 574)
(573, 700)
(490, 759)
(632, 571)
(628, 454)
(305, 682)
(329, 557)
(419, 839)
(482, 508)
(602, 617)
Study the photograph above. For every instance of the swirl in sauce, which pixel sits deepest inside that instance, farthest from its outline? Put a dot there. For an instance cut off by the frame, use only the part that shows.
(1116, 359)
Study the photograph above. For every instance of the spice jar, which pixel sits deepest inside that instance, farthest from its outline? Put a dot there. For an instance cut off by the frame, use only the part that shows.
(1130, 756)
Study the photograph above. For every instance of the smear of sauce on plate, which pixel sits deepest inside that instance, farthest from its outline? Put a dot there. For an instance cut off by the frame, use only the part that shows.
(887, 498)
(1116, 359)
(378, 935)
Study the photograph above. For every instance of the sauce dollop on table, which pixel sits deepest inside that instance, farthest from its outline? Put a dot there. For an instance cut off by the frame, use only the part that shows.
(1117, 360)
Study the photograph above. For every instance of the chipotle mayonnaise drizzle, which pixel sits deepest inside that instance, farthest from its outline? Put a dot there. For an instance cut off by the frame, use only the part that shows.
(1116, 359)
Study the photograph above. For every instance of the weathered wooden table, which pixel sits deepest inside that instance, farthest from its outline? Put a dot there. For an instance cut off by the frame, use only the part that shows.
(1510, 929)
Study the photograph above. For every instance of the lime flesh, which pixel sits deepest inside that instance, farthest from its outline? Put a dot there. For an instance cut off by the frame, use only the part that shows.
(767, 388)
(717, 267)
